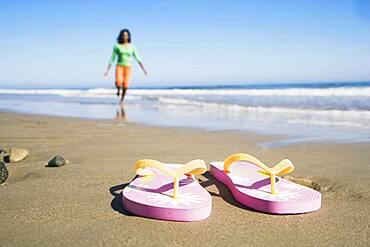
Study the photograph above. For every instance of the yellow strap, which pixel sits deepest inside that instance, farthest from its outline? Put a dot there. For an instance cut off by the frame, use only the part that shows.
(193, 167)
(282, 168)
(142, 164)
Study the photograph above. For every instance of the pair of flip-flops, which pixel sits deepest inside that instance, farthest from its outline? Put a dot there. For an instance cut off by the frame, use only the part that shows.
(170, 191)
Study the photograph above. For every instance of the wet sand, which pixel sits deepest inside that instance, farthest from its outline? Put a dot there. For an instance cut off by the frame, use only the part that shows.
(79, 204)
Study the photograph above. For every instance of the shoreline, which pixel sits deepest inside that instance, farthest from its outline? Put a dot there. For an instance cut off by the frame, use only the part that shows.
(79, 204)
(265, 138)
(271, 140)
(304, 113)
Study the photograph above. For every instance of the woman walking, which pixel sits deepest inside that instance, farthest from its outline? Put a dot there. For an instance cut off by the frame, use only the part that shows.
(124, 50)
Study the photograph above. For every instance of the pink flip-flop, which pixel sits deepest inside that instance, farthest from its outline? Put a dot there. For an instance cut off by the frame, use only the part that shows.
(257, 186)
(168, 191)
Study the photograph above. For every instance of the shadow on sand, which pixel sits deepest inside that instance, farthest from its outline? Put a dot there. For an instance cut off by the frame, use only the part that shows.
(116, 203)
(223, 192)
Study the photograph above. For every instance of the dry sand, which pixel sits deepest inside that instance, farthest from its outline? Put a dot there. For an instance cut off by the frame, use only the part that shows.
(79, 204)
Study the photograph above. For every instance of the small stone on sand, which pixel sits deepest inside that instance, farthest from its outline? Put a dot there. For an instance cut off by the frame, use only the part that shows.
(57, 161)
(3, 173)
(17, 154)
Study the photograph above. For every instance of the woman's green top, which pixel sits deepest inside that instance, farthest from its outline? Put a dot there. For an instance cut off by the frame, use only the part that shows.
(124, 54)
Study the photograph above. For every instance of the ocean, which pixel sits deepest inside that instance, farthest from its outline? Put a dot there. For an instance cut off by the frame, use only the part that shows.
(302, 112)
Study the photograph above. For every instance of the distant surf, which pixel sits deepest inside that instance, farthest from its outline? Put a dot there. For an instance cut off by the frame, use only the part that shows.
(321, 109)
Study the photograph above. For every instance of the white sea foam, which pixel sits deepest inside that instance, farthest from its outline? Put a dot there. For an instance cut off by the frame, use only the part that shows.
(354, 118)
(90, 93)
(307, 113)
(189, 97)
(96, 92)
(344, 91)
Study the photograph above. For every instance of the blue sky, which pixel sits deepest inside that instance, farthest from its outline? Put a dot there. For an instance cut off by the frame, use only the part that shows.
(68, 43)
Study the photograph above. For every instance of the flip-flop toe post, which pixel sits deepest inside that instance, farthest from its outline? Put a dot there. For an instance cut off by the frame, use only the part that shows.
(260, 187)
(168, 191)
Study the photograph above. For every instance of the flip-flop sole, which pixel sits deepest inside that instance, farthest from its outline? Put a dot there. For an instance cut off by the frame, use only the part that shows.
(252, 189)
(150, 196)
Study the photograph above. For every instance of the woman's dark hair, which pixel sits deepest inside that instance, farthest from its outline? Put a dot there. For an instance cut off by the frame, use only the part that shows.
(120, 36)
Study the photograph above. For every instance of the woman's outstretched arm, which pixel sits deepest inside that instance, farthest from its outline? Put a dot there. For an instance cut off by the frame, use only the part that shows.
(138, 59)
(106, 73)
(143, 68)
(112, 60)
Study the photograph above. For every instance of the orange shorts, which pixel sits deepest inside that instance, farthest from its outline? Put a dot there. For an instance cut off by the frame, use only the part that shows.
(123, 74)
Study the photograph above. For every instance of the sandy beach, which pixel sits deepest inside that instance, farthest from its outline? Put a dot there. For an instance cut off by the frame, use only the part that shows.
(79, 204)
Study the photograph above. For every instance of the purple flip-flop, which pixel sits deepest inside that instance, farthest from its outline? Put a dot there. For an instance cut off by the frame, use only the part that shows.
(168, 191)
(257, 186)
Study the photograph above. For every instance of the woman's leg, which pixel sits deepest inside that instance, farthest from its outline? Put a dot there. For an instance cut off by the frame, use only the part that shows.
(124, 89)
(119, 78)
(118, 89)
(126, 78)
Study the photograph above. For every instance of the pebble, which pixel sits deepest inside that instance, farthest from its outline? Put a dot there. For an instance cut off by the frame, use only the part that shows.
(3, 173)
(17, 154)
(57, 161)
